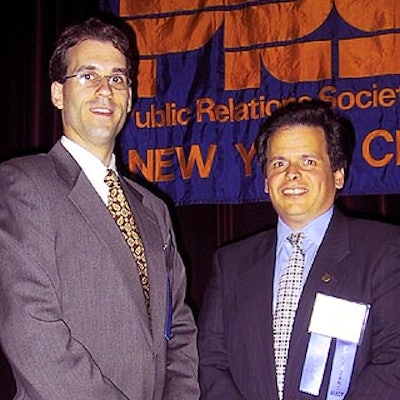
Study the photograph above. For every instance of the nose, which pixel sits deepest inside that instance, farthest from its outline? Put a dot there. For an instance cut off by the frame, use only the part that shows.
(292, 172)
(104, 87)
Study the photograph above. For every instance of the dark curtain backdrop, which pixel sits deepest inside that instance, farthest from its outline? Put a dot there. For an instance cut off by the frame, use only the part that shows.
(31, 124)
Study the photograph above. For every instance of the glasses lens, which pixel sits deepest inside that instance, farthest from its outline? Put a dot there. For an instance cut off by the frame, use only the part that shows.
(88, 79)
(119, 81)
(93, 79)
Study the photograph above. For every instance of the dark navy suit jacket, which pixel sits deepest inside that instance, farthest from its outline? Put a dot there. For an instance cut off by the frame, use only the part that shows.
(358, 260)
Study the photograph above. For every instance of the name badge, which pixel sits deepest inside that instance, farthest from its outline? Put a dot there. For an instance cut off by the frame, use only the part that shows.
(333, 318)
(338, 318)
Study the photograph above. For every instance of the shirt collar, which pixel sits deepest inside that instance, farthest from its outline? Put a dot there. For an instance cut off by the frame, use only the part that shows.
(92, 167)
(89, 163)
(314, 231)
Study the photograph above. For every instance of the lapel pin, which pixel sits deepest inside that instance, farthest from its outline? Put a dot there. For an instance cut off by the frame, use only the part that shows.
(326, 277)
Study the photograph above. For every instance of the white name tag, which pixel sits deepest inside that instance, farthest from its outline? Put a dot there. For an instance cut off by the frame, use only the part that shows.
(338, 318)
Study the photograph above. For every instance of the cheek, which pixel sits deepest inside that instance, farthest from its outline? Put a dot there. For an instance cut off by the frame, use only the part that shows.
(272, 184)
(327, 187)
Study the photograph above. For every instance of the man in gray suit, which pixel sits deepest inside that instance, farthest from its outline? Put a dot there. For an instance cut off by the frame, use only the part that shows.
(73, 318)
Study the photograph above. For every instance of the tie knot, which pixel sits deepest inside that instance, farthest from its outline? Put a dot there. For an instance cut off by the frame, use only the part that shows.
(296, 239)
(111, 177)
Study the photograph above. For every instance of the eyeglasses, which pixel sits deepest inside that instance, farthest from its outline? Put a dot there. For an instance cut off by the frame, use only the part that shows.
(93, 79)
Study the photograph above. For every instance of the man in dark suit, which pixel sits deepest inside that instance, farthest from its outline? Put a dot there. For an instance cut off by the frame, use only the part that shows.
(345, 337)
(76, 322)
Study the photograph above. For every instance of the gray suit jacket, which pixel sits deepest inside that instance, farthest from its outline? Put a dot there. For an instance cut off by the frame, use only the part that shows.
(73, 321)
(361, 259)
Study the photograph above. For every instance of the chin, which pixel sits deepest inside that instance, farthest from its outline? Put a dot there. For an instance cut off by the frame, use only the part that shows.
(101, 132)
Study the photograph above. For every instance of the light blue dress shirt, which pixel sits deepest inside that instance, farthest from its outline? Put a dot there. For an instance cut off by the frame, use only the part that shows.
(314, 233)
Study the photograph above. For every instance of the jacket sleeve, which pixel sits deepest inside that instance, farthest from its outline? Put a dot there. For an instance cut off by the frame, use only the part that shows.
(181, 374)
(34, 336)
(180, 329)
(216, 382)
(378, 369)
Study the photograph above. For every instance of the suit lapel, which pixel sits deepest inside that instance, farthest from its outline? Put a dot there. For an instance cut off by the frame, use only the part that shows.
(325, 276)
(325, 273)
(254, 305)
(93, 210)
(150, 233)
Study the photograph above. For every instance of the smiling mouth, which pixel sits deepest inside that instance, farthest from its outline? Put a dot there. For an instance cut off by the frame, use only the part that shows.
(294, 191)
(101, 110)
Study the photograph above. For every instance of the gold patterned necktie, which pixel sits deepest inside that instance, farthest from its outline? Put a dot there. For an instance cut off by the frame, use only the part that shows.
(119, 209)
(287, 300)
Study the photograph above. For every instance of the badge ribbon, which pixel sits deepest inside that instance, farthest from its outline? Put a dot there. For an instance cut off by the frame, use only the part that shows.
(333, 318)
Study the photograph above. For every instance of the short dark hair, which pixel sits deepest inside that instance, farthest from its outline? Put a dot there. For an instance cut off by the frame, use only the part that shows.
(93, 28)
(339, 132)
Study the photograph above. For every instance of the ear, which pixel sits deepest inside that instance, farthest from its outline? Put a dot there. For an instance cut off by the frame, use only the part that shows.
(129, 108)
(57, 95)
(338, 176)
(266, 187)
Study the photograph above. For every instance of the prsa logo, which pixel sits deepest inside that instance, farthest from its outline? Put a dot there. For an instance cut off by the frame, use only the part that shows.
(268, 34)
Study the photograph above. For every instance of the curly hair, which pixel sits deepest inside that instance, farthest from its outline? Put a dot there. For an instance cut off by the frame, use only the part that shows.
(339, 132)
(95, 29)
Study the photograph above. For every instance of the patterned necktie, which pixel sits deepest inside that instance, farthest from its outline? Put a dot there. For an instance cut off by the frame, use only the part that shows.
(288, 297)
(119, 208)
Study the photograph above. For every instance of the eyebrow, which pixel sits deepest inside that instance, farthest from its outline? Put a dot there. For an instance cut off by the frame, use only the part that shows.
(94, 68)
(306, 155)
(276, 158)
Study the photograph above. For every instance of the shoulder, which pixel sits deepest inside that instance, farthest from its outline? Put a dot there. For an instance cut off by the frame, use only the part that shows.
(365, 239)
(250, 242)
(30, 164)
(365, 229)
(377, 239)
(33, 171)
(57, 162)
(249, 249)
